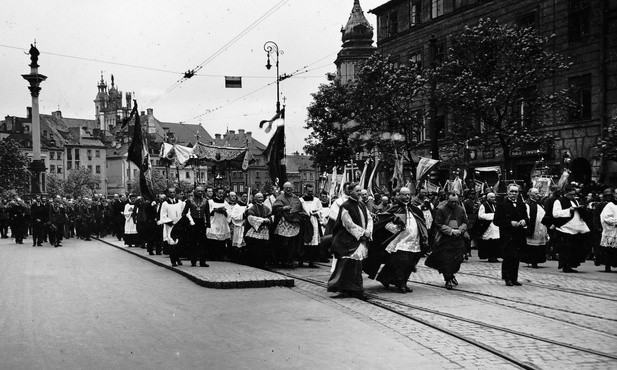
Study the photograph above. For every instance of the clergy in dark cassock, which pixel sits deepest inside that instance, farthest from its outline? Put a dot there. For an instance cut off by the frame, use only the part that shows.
(408, 242)
(572, 231)
(197, 210)
(288, 218)
(537, 235)
(449, 247)
(257, 233)
(351, 233)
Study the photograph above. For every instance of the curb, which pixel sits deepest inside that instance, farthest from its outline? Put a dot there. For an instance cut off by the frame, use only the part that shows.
(237, 284)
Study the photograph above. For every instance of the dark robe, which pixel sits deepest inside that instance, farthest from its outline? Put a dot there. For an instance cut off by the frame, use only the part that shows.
(448, 249)
(347, 274)
(513, 239)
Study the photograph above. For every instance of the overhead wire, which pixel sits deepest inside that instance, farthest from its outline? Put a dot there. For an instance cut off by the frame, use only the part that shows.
(190, 73)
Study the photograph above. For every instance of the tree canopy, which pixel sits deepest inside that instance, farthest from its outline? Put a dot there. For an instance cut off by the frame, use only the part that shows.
(493, 82)
(81, 182)
(14, 174)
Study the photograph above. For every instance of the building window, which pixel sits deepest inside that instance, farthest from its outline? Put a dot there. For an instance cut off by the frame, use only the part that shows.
(77, 164)
(440, 121)
(415, 13)
(69, 165)
(134, 173)
(76, 154)
(52, 155)
(59, 168)
(436, 8)
(52, 169)
(440, 52)
(128, 174)
(392, 23)
(98, 169)
(578, 19)
(257, 174)
(457, 4)
(89, 154)
(188, 174)
(527, 20)
(419, 121)
(415, 59)
(580, 93)
(69, 155)
(90, 167)
(97, 154)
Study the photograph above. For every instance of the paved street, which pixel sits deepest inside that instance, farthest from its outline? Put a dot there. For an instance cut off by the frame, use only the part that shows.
(91, 305)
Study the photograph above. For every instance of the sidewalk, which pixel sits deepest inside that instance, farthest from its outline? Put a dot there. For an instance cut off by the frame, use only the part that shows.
(220, 275)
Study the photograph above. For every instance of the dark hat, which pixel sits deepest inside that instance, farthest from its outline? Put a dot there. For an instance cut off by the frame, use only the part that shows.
(608, 191)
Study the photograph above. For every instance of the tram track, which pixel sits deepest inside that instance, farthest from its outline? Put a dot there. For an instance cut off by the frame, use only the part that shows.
(479, 296)
(606, 297)
(431, 317)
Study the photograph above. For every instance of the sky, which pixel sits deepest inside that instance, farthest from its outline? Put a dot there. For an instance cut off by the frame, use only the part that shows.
(148, 45)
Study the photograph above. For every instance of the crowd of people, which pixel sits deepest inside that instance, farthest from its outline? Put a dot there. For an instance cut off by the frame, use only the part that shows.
(384, 236)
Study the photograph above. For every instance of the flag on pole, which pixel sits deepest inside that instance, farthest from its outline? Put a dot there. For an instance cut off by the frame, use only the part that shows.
(138, 154)
(341, 190)
(563, 180)
(332, 189)
(424, 165)
(364, 171)
(397, 174)
(274, 153)
(369, 187)
(278, 116)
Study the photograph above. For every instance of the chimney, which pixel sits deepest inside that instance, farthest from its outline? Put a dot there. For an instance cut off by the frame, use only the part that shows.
(9, 123)
(249, 137)
(217, 136)
(232, 132)
(29, 112)
(143, 113)
(241, 131)
(150, 112)
(57, 114)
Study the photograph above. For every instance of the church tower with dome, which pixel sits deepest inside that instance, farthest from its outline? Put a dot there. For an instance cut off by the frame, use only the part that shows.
(109, 108)
(357, 46)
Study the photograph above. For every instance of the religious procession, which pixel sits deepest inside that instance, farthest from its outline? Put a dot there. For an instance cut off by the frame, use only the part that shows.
(379, 236)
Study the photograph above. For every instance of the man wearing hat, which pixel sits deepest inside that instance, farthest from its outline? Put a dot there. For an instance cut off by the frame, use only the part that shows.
(572, 231)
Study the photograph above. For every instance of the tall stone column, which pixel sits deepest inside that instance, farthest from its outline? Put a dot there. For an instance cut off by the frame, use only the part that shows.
(37, 166)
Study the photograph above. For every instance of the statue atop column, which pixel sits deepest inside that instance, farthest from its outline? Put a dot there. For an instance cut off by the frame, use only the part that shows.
(34, 56)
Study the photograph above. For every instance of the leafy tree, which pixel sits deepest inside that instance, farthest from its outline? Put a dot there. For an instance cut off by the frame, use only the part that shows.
(14, 174)
(329, 117)
(81, 182)
(492, 84)
(55, 185)
(608, 145)
(385, 100)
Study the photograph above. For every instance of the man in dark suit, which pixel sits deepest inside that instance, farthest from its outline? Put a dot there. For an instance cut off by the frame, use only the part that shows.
(155, 231)
(512, 220)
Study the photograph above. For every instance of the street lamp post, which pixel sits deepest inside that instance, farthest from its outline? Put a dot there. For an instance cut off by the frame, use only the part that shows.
(270, 47)
(37, 166)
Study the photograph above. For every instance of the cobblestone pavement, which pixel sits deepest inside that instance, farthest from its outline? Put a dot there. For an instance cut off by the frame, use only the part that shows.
(573, 314)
